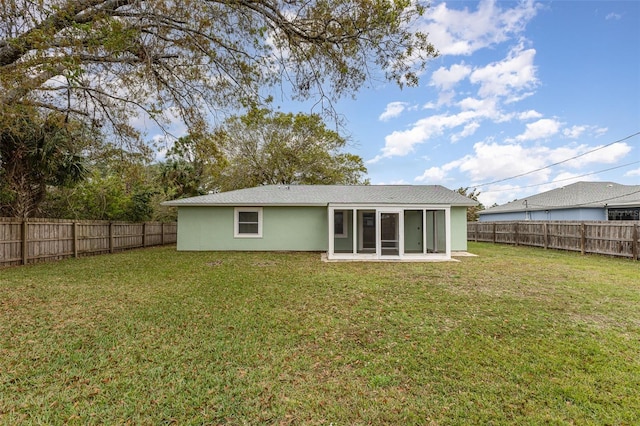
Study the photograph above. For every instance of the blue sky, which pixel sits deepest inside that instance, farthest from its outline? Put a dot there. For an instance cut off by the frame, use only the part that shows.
(517, 86)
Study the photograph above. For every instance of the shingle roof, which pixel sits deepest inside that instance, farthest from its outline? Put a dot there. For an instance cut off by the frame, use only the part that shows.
(580, 194)
(322, 195)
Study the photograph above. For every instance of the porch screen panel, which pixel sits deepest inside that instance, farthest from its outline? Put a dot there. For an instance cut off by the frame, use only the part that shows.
(343, 241)
(366, 231)
(389, 234)
(441, 226)
(436, 231)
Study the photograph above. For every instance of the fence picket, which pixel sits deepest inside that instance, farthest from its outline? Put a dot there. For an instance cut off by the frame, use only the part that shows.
(613, 238)
(36, 240)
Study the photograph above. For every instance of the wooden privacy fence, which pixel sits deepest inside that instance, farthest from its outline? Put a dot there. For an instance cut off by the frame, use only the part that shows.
(619, 238)
(37, 240)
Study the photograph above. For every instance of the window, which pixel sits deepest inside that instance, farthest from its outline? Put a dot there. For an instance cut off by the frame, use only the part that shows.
(340, 224)
(248, 222)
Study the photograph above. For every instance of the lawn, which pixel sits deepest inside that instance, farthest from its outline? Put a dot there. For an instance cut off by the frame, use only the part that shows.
(516, 335)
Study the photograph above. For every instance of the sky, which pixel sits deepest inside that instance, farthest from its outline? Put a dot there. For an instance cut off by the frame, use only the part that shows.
(552, 86)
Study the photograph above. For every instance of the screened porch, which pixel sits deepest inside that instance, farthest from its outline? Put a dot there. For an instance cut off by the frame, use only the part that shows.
(389, 232)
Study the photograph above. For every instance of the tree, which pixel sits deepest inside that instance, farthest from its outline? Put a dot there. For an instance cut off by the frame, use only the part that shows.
(263, 147)
(472, 212)
(35, 155)
(104, 61)
(193, 165)
(120, 185)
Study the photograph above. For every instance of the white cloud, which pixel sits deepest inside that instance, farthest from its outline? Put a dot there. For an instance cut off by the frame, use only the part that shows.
(498, 85)
(401, 143)
(526, 115)
(432, 175)
(541, 129)
(599, 131)
(394, 109)
(462, 32)
(494, 161)
(632, 173)
(574, 132)
(468, 130)
(508, 78)
(612, 15)
(446, 97)
(446, 79)
(609, 155)
(484, 107)
(498, 194)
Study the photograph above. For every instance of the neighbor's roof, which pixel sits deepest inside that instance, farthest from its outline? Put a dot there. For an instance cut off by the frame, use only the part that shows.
(322, 195)
(577, 195)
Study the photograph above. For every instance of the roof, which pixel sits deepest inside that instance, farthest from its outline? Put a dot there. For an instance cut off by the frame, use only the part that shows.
(322, 195)
(576, 195)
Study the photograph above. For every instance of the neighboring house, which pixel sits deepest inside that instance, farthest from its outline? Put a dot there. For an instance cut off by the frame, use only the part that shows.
(582, 201)
(348, 222)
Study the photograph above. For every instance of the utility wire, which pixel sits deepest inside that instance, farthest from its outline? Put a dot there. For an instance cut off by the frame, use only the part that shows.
(561, 180)
(555, 164)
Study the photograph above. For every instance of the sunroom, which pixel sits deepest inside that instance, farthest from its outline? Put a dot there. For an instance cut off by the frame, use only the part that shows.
(389, 232)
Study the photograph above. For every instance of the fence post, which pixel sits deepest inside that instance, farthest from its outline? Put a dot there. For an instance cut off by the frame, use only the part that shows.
(111, 238)
(494, 232)
(515, 233)
(161, 233)
(144, 234)
(634, 244)
(582, 238)
(25, 245)
(75, 239)
(546, 236)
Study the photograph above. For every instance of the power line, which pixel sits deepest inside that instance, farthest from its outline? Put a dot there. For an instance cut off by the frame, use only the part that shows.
(561, 180)
(557, 163)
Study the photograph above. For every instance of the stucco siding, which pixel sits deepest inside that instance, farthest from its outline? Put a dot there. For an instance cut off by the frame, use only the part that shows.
(458, 229)
(283, 229)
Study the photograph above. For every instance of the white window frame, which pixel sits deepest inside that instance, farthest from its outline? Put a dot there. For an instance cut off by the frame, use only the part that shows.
(345, 224)
(236, 222)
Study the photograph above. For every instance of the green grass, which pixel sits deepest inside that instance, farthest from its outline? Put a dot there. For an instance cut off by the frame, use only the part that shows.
(516, 335)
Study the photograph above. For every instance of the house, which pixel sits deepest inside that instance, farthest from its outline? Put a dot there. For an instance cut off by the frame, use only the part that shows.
(347, 222)
(583, 201)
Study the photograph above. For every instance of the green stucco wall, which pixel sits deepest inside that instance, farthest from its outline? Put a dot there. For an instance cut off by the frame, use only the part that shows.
(458, 229)
(283, 229)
